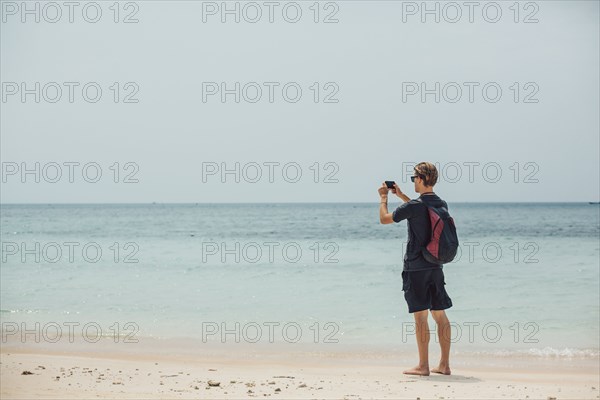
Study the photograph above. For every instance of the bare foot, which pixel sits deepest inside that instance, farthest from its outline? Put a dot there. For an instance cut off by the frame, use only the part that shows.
(441, 370)
(417, 371)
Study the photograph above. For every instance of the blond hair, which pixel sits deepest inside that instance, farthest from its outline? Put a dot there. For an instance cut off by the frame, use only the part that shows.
(428, 172)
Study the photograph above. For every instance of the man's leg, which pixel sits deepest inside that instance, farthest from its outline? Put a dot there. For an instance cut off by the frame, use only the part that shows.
(443, 329)
(422, 334)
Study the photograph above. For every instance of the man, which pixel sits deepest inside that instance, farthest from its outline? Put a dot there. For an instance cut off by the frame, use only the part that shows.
(422, 282)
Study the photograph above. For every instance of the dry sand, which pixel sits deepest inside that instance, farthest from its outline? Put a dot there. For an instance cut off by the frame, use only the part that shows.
(69, 372)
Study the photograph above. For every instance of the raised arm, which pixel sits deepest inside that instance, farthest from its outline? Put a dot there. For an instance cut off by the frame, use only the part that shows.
(399, 193)
(385, 217)
(401, 213)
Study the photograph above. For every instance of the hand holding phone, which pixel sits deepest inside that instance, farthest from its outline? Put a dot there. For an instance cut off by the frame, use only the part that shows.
(390, 185)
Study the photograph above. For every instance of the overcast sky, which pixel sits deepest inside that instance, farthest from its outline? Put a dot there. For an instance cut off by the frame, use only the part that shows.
(516, 116)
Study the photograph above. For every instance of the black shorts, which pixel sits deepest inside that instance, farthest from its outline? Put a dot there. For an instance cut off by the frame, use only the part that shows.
(425, 290)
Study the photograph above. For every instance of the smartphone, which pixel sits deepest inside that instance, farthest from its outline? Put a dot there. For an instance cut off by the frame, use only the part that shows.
(390, 184)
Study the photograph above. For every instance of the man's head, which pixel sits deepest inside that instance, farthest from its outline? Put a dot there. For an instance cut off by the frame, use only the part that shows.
(425, 176)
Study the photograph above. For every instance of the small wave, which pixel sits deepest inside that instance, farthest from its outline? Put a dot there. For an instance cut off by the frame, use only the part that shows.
(20, 311)
(546, 352)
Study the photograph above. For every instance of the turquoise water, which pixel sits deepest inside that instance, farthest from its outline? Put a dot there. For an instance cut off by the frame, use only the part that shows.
(527, 280)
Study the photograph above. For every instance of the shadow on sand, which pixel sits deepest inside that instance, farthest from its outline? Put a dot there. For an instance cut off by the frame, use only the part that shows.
(449, 378)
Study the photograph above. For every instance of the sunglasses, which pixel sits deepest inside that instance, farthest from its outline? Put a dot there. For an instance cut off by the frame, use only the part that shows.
(412, 178)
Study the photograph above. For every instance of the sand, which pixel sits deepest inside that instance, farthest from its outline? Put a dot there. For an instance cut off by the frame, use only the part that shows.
(151, 371)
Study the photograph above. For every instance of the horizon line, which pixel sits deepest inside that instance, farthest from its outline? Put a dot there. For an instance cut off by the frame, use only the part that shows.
(298, 202)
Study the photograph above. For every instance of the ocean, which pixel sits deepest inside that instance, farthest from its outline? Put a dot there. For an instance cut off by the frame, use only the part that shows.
(526, 281)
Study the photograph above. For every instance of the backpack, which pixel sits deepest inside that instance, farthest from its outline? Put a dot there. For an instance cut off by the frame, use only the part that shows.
(443, 245)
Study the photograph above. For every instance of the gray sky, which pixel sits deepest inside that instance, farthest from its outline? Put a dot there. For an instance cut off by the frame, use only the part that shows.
(371, 61)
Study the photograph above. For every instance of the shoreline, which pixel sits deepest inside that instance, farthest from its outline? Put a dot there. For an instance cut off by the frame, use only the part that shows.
(152, 371)
(193, 346)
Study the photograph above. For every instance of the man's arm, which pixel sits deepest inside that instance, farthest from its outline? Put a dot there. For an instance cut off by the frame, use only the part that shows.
(384, 216)
(399, 193)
